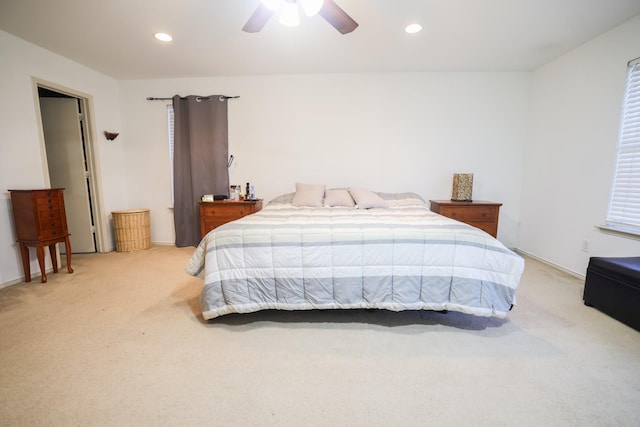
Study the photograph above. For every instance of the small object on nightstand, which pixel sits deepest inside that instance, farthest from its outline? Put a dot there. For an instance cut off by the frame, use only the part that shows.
(482, 215)
(462, 187)
(234, 192)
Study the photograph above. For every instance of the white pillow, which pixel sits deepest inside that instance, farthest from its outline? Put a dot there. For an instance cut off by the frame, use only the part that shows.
(310, 195)
(338, 198)
(366, 199)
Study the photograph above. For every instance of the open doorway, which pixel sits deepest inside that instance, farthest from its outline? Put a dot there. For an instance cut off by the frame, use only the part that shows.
(68, 151)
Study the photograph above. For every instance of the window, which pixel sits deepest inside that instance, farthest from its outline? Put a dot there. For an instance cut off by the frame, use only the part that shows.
(624, 207)
(170, 131)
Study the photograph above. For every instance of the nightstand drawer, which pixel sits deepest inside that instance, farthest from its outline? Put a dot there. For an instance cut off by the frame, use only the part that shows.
(482, 215)
(211, 222)
(53, 232)
(50, 223)
(227, 211)
(487, 226)
(214, 214)
(463, 213)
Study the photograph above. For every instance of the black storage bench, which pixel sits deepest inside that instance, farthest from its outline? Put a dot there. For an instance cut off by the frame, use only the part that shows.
(612, 286)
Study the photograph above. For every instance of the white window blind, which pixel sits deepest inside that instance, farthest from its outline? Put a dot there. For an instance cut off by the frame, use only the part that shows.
(624, 207)
(170, 131)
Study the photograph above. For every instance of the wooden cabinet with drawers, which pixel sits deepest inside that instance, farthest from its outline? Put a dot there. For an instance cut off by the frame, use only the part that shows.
(214, 214)
(483, 215)
(40, 220)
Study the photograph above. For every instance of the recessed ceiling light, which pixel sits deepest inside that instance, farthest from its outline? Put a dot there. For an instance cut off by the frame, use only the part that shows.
(163, 37)
(413, 28)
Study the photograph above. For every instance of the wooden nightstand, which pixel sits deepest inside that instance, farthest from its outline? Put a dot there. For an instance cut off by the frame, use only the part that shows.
(214, 214)
(483, 215)
(40, 220)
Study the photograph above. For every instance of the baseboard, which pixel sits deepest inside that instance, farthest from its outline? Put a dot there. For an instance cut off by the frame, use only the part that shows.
(550, 264)
(10, 283)
(163, 243)
(35, 277)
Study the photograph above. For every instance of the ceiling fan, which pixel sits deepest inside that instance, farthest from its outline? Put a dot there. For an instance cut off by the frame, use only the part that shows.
(288, 10)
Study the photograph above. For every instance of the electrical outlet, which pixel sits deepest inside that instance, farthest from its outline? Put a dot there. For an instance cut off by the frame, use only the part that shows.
(585, 246)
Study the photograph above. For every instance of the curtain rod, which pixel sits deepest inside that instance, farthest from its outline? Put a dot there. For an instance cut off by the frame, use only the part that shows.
(221, 98)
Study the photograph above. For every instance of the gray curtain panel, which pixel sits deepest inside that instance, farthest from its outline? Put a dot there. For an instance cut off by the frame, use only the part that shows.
(199, 160)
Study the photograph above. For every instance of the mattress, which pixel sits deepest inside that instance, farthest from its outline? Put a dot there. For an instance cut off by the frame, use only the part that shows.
(401, 257)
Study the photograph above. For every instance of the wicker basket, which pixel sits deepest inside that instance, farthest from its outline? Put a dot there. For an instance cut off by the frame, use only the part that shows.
(132, 229)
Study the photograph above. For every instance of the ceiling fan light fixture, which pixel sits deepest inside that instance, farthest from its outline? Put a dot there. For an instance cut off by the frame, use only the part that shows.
(311, 7)
(287, 11)
(273, 5)
(289, 14)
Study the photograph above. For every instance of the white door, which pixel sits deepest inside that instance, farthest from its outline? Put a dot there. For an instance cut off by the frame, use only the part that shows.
(62, 128)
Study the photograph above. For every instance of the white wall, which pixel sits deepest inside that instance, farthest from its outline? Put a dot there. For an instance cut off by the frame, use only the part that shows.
(542, 143)
(386, 132)
(21, 157)
(570, 155)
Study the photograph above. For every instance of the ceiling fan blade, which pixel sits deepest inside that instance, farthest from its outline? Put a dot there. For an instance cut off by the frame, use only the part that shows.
(337, 17)
(258, 19)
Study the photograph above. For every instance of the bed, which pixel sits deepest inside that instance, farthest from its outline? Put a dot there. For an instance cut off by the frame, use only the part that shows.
(394, 255)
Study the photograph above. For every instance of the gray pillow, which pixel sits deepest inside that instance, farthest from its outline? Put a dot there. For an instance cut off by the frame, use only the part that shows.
(283, 199)
(338, 198)
(310, 195)
(366, 199)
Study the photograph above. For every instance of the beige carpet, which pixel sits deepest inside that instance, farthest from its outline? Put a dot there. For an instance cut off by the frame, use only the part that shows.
(120, 342)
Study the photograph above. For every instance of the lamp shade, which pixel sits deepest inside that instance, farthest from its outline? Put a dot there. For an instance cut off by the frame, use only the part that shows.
(311, 7)
(273, 5)
(462, 187)
(289, 14)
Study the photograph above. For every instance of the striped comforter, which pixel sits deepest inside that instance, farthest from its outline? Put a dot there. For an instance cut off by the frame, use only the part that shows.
(404, 257)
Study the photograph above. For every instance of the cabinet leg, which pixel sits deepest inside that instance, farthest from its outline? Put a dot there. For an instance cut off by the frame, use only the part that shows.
(40, 256)
(24, 254)
(67, 246)
(54, 258)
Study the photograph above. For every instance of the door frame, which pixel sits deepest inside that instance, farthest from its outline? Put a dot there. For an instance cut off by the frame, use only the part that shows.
(93, 163)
